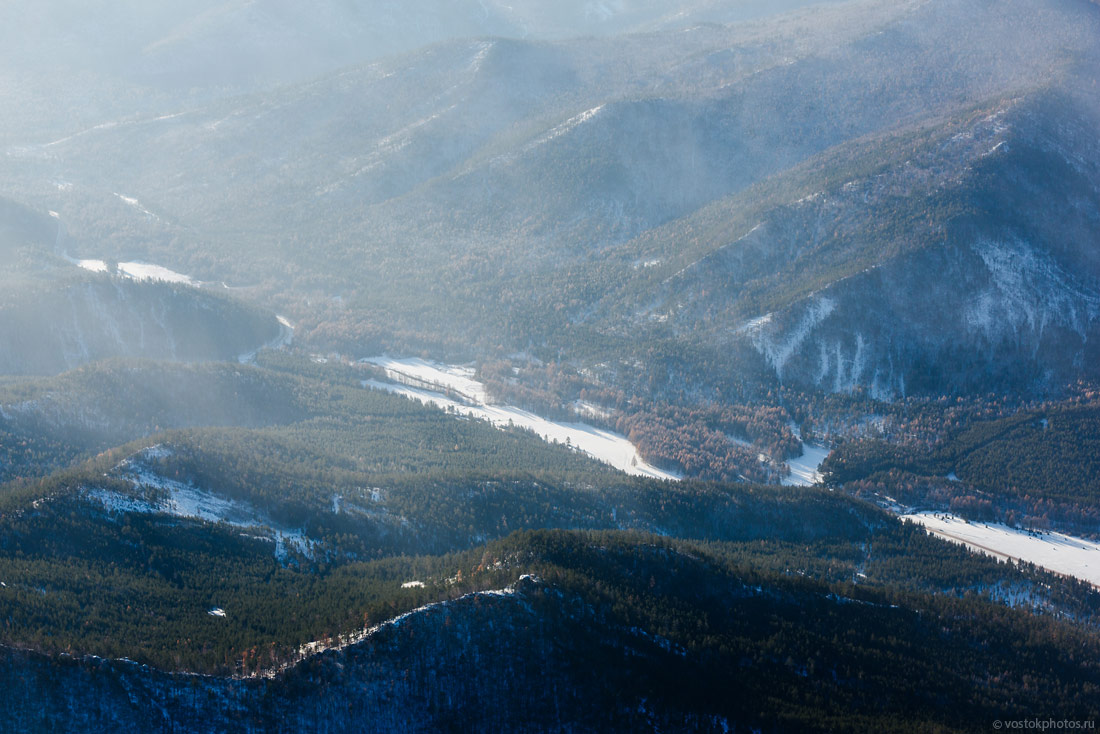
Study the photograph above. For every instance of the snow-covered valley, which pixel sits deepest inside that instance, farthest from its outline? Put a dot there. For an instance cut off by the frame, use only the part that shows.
(453, 389)
(1055, 552)
(805, 470)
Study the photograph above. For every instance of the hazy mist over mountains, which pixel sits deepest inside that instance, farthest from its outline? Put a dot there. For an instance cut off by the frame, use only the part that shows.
(541, 173)
(345, 339)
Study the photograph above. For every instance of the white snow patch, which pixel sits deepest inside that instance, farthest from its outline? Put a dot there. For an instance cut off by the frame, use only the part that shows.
(175, 498)
(483, 49)
(1062, 554)
(466, 396)
(564, 127)
(805, 470)
(754, 325)
(136, 270)
(413, 585)
(216, 612)
(96, 266)
(147, 271)
(778, 347)
(591, 410)
(1028, 291)
(136, 204)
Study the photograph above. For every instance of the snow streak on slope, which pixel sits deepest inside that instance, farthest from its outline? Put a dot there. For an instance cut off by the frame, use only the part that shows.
(147, 271)
(424, 381)
(159, 494)
(1053, 551)
(96, 266)
(341, 642)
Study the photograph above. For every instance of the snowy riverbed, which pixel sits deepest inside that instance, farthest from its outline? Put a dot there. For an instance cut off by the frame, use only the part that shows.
(449, 379)
(285, 339)
(1055, 552)
(453, 388)
(805, 469)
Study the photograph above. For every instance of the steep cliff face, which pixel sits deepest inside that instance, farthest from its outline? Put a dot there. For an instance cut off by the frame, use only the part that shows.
(1004, 314)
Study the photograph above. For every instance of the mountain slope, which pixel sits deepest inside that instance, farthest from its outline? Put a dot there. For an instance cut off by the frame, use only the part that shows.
(947, 258)
(529, 181)
(55, 316)
(606, 637)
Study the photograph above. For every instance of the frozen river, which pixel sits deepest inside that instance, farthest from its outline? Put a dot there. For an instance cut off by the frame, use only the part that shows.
(454, 388)
(1055, 552)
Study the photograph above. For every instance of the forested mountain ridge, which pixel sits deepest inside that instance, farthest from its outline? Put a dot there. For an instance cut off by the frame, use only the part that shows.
(629, 620)
(1034, 469)
(925, 273)
(333, 494)
(237, 43)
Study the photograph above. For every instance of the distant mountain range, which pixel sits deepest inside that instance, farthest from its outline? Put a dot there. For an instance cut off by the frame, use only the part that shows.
(898, 196)
(244, 43)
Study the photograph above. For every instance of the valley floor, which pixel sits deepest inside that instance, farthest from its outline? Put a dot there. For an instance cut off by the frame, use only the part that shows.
(1055, 552)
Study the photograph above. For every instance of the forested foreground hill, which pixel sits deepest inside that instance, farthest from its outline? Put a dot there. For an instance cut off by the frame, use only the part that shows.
(127, 554)
(614, 632)
(294, 506)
